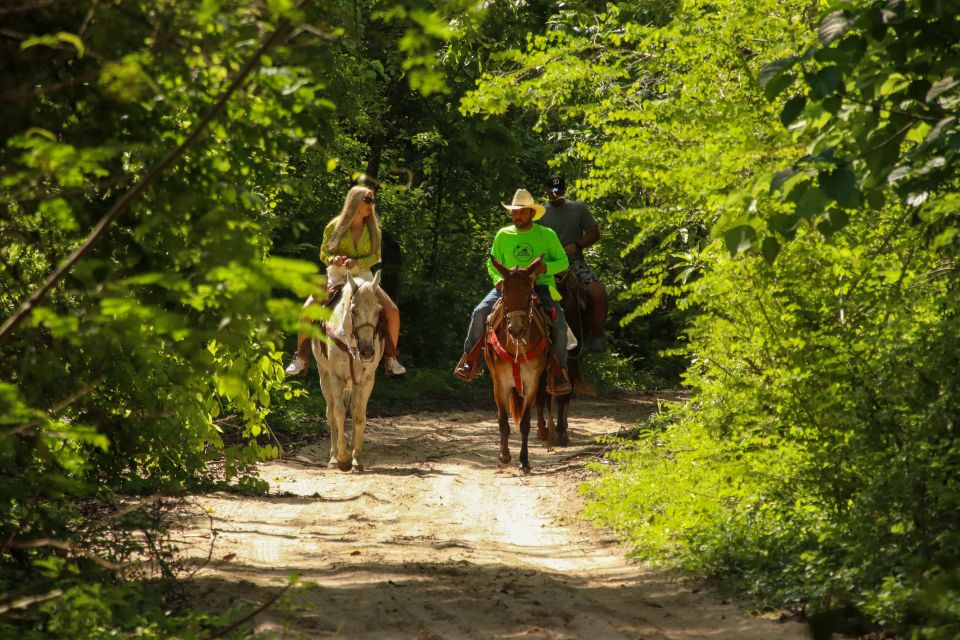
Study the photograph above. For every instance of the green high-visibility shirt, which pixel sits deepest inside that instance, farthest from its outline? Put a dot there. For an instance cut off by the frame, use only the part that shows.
(514, 248)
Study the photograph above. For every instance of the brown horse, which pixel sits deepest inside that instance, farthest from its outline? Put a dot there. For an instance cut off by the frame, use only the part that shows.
(574, 302)
(515, 350)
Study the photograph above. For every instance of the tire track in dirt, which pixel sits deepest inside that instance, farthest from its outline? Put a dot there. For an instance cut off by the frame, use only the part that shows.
(434, 541)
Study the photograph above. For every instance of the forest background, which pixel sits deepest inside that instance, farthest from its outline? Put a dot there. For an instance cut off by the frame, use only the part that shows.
(776, 188)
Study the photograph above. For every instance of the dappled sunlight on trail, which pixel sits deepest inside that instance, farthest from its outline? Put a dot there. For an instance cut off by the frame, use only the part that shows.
(435, 541)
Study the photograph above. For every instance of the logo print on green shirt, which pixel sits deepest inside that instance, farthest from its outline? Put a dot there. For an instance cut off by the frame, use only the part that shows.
(523, 252)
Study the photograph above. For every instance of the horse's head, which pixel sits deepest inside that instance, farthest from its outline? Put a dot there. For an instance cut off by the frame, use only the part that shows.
(517, 290)
(365, 315)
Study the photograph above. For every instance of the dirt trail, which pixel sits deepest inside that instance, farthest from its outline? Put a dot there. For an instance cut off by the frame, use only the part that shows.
(435, 542)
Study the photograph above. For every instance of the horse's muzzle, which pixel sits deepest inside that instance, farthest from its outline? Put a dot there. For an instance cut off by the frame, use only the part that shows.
(517, 329)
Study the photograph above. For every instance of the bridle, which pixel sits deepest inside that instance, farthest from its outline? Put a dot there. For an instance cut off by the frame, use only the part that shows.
(522, 353)
(353, 352)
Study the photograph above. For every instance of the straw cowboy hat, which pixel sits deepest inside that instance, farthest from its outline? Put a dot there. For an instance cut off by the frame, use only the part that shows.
(523, 200)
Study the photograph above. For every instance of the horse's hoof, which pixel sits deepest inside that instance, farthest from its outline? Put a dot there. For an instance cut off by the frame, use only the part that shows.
(357, 467)
(524, 468)
(541, 433)
(505, 461)
(345, 466)
(562, 439)
(332, 464)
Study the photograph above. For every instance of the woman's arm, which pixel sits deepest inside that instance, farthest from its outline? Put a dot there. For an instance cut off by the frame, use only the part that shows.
(325, 256)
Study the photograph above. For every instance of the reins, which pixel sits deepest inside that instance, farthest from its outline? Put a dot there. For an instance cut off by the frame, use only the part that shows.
(518, 358)
(351, 351)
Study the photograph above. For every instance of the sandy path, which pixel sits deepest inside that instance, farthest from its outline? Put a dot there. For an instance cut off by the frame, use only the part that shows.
(434, 541)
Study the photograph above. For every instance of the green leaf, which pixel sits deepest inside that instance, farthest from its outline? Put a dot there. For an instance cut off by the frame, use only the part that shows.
(774, 77)
(773, 69)
(54, 40)
(838, 218)
(770, 249)
(941, 87)
(781, 178)
(739, 239)
(875, 199)
(834, 26)
(792, 109)
(825, 82)
(838, 184)
(784, 224)
(810, 203)
(893, 83)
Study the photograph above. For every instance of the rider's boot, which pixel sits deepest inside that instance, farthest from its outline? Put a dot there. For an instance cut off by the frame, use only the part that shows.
(393, 366)
(298, 366)
(558, 382)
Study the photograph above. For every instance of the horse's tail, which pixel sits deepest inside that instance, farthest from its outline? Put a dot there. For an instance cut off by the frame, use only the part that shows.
(516, 406)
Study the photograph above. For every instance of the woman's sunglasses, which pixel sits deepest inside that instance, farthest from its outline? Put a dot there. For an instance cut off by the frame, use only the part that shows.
(369, 199)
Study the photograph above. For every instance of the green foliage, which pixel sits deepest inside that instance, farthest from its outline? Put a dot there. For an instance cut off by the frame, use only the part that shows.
(876, 118)
(786, 172)
(813, 464)
(153, 364)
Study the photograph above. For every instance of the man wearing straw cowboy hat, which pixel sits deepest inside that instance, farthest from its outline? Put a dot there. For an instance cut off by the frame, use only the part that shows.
(517, 246)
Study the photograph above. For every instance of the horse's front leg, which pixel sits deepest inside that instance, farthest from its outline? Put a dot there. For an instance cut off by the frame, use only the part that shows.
(358, 411)
(524, 437)
(326, 387)
(339, 455)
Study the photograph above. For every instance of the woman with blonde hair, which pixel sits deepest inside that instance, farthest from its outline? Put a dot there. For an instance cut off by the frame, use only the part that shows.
(351, 242)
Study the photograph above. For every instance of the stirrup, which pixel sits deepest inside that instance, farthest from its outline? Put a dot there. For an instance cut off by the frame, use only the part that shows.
(467, 369)
(558, 384)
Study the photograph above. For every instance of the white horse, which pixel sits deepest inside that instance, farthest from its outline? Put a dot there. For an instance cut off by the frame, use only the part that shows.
(348, 365)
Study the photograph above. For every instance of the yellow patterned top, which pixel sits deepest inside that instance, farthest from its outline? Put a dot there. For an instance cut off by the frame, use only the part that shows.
(362, 251)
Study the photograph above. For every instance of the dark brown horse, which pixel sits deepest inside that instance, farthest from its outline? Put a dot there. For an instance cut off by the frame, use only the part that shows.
(574, 302)
(515, 350)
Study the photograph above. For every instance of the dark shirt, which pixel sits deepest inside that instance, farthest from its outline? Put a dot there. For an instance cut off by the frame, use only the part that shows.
(569, 220)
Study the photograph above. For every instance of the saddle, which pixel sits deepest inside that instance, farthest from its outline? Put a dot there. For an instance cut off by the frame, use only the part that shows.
(568, 284)
(334, 292)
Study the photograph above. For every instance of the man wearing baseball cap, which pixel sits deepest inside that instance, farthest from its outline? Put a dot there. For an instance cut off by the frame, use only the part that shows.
(577, 230)
(517, 246)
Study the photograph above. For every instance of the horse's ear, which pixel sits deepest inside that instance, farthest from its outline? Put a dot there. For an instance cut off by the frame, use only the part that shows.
(376, 279)
(533, 265)
(499, 267)
(352, 282)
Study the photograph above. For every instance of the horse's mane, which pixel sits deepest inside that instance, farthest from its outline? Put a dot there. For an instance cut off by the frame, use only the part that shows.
(340, 313)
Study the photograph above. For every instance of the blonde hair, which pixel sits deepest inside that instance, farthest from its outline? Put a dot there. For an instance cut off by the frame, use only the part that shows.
(351, 205)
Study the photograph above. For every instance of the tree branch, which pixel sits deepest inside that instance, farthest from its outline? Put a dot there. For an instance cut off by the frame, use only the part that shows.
(244, 619)
(282, 30)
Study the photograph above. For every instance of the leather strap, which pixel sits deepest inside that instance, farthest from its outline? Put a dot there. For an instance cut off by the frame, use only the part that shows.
(516, 359)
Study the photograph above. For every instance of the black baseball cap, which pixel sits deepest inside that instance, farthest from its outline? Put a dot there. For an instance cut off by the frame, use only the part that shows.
(556, 184)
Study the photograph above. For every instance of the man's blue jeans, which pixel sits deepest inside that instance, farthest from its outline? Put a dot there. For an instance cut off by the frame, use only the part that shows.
(478, 322)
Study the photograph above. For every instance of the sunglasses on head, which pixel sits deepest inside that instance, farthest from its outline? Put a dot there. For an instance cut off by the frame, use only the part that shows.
(369, 199)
